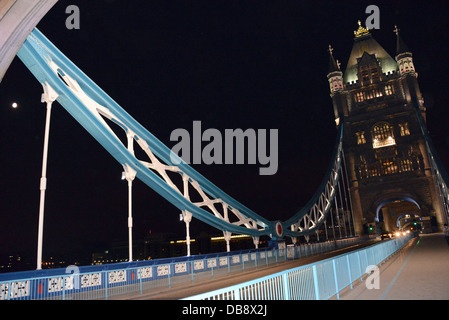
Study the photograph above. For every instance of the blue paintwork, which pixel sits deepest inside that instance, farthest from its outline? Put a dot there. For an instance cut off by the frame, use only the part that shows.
(320, 280)
(34, 53)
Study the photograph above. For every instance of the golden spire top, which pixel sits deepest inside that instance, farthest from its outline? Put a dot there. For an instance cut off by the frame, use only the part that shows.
(361, 31)
(396, 30)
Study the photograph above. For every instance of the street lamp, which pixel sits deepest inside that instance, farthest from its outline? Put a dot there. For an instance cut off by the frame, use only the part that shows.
(49, 96)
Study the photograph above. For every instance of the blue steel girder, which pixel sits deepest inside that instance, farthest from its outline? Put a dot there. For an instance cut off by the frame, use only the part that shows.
(90, 106)
(314, 213)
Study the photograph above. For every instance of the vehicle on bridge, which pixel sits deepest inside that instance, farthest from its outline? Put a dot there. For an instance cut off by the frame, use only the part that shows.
(386, 235)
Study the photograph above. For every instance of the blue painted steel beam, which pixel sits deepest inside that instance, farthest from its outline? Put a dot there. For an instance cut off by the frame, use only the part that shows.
(35, 53)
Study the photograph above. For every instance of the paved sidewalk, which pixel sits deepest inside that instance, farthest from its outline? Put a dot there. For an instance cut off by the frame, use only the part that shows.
(420, 271)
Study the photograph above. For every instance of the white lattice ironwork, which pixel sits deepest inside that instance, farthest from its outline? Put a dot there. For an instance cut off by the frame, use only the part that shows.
(215, 206)
(312, 219)
(176, 181)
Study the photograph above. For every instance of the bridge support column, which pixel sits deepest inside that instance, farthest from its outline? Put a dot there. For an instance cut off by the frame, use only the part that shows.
(256, 242)
(187, 217)
(129, 174)
(227, 237)
(49, 96)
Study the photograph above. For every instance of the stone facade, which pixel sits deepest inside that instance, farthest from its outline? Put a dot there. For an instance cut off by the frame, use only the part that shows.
(377, 97)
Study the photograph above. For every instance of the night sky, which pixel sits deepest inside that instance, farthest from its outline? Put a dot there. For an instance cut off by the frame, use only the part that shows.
(229, 64)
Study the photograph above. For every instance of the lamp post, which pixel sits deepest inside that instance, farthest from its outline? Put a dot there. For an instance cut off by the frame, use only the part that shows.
(129, 174)
(49, 96)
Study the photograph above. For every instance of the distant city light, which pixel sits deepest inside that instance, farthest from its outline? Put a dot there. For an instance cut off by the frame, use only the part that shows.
(14, 105)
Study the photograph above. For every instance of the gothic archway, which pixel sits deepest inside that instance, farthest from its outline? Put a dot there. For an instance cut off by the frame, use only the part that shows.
(388, 208)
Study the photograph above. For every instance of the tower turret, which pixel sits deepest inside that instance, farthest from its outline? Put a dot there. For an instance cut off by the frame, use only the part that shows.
(403, 55)
(407, 72)
(335, 78)
(334, 75)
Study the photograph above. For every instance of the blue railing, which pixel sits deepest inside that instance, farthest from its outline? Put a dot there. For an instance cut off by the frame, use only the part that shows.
(321, 280)
(105, 281)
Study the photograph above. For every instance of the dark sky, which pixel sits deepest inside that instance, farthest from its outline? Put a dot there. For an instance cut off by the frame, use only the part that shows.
(229, 64)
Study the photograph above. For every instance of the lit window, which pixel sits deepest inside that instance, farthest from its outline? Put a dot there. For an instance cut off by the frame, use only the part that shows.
(374, 73)
(361, 137)
(360, 97)
(369, 73)
(365, 74)
(406, 165)
(389, 167)
(383, 135)
(369, 94)
(388, 89)
(404, 129)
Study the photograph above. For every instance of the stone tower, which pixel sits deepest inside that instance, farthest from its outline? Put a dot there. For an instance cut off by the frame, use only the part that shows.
(391, 181)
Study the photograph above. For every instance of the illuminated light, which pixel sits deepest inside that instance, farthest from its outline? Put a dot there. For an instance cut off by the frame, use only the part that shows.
(383, 143)
(14, 105)
(183, 241)
(232, 237)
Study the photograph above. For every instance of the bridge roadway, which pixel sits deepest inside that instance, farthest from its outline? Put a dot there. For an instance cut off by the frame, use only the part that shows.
(420, 271)
(183, 290)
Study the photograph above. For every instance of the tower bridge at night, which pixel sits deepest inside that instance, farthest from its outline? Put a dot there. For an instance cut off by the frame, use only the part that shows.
(384, 176)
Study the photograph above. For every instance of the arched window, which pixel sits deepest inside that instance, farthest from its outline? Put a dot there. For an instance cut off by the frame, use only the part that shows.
(360, 137)
(404, 129)
(383, 135)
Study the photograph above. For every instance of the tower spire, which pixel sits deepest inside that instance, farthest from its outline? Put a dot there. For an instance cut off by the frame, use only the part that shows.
(333, 65)
(401, 47)
(334, 74)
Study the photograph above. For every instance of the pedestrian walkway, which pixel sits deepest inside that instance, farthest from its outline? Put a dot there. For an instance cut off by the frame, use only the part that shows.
(420, 271)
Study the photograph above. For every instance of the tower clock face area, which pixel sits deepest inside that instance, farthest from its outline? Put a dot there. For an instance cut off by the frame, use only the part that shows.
(375, 95)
